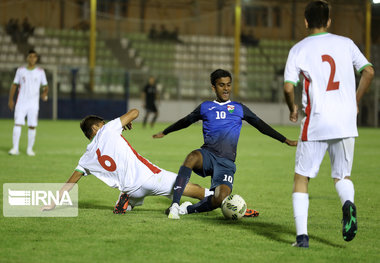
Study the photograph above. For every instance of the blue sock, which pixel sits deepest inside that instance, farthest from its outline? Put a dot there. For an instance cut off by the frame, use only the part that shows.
(202, 206)
(181, 181)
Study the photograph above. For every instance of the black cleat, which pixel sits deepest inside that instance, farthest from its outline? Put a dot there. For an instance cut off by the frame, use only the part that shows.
(350, 222)
(302, 241)
(122, 204)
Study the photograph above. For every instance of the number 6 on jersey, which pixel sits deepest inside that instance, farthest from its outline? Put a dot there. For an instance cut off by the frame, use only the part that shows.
(106, 161)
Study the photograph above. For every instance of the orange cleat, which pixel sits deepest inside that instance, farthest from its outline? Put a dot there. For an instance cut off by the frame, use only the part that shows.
(121, 205)
(251, 213)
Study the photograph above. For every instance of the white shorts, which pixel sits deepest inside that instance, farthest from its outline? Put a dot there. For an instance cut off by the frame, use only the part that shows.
(29, 111)
(158, 184)
(310, 154)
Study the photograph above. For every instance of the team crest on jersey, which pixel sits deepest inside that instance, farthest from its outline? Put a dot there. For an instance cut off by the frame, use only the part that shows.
(231, 108)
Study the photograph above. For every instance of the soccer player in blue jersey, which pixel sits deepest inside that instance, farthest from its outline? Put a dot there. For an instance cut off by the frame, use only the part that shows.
(222, 121)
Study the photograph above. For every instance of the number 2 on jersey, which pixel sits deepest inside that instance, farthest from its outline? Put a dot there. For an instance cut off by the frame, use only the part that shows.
(102, 159)
(331, 85)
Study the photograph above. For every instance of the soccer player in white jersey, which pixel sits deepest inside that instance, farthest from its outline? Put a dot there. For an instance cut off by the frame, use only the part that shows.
(329, 101)
(29, 81)
(111, 158)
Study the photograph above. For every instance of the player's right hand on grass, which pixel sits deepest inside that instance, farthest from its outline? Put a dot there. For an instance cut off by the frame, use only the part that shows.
(48, 207)
(158, 135)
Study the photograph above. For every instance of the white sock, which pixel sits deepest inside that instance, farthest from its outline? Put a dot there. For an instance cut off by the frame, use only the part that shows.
(300, 210)
(16, 136)
(208, 192)
(31, 138)
(345, 190)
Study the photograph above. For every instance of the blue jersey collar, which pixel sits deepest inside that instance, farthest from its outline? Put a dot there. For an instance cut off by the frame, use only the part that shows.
(222, 103)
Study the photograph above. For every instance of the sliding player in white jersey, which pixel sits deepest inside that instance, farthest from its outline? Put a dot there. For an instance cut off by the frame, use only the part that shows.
(29, 80)
(111, 158)
(329, 101)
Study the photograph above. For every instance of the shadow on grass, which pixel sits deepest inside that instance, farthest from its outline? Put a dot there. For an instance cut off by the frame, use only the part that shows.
(269, 230)
(93, 205)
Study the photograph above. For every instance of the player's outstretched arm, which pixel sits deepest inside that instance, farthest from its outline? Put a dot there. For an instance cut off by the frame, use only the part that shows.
(66, 187)
(264, 128)
(289, 97)
(365, 81)
(181, 124)
(126, 119)
(11, 103)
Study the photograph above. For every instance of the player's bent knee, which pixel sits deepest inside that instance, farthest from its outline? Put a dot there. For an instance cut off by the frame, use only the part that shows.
(221, 192)
(192, 159)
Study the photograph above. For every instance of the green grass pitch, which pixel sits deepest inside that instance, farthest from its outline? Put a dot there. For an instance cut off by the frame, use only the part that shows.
(264, 179)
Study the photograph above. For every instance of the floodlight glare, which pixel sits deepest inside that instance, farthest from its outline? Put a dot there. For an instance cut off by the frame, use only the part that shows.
(376, 1)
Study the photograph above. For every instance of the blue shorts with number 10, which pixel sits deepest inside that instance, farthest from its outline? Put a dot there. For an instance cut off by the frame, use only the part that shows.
(220, 169)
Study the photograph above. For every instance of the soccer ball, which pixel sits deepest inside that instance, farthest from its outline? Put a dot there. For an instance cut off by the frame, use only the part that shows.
(234, 207)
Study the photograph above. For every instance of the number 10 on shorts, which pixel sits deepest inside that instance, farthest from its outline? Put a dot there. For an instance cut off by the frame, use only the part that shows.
(228, 178)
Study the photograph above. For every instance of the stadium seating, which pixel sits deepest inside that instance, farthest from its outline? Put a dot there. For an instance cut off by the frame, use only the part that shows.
(69, 49)
(182, 68)
(194, 59)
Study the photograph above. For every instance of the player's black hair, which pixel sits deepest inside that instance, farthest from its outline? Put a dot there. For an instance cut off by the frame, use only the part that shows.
(32, 51)
(219, 73)
(87, 122)
(317, 14)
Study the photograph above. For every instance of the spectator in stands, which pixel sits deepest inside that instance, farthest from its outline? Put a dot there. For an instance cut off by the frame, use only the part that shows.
(27, 30)
(149, 96)
(13, 29)
(164, 33)
(174, 35)
(249, 38)
(153, 32)
(9, 26)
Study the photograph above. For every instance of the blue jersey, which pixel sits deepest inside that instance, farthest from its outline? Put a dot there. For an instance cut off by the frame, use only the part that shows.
(222, 124)
(221, 127)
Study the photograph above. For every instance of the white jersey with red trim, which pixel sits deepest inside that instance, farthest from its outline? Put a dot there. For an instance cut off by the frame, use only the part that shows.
(30, 81)
(327, 63)
(111, 158)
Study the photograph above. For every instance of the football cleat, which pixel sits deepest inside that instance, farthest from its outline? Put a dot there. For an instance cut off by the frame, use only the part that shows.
(122, 204)
(251, 213)
(174, 211)
(30, 152)
(183, 208)
(13, 152)
(350, 223)
(301, 241)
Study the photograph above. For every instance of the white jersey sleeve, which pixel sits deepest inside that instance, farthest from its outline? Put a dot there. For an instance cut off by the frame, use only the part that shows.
(291, 70)
(82, 170)
(358, 59)
(43, 78)
(17, 77)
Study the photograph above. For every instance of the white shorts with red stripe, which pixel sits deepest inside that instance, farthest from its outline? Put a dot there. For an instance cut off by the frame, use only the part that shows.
(310, 154)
